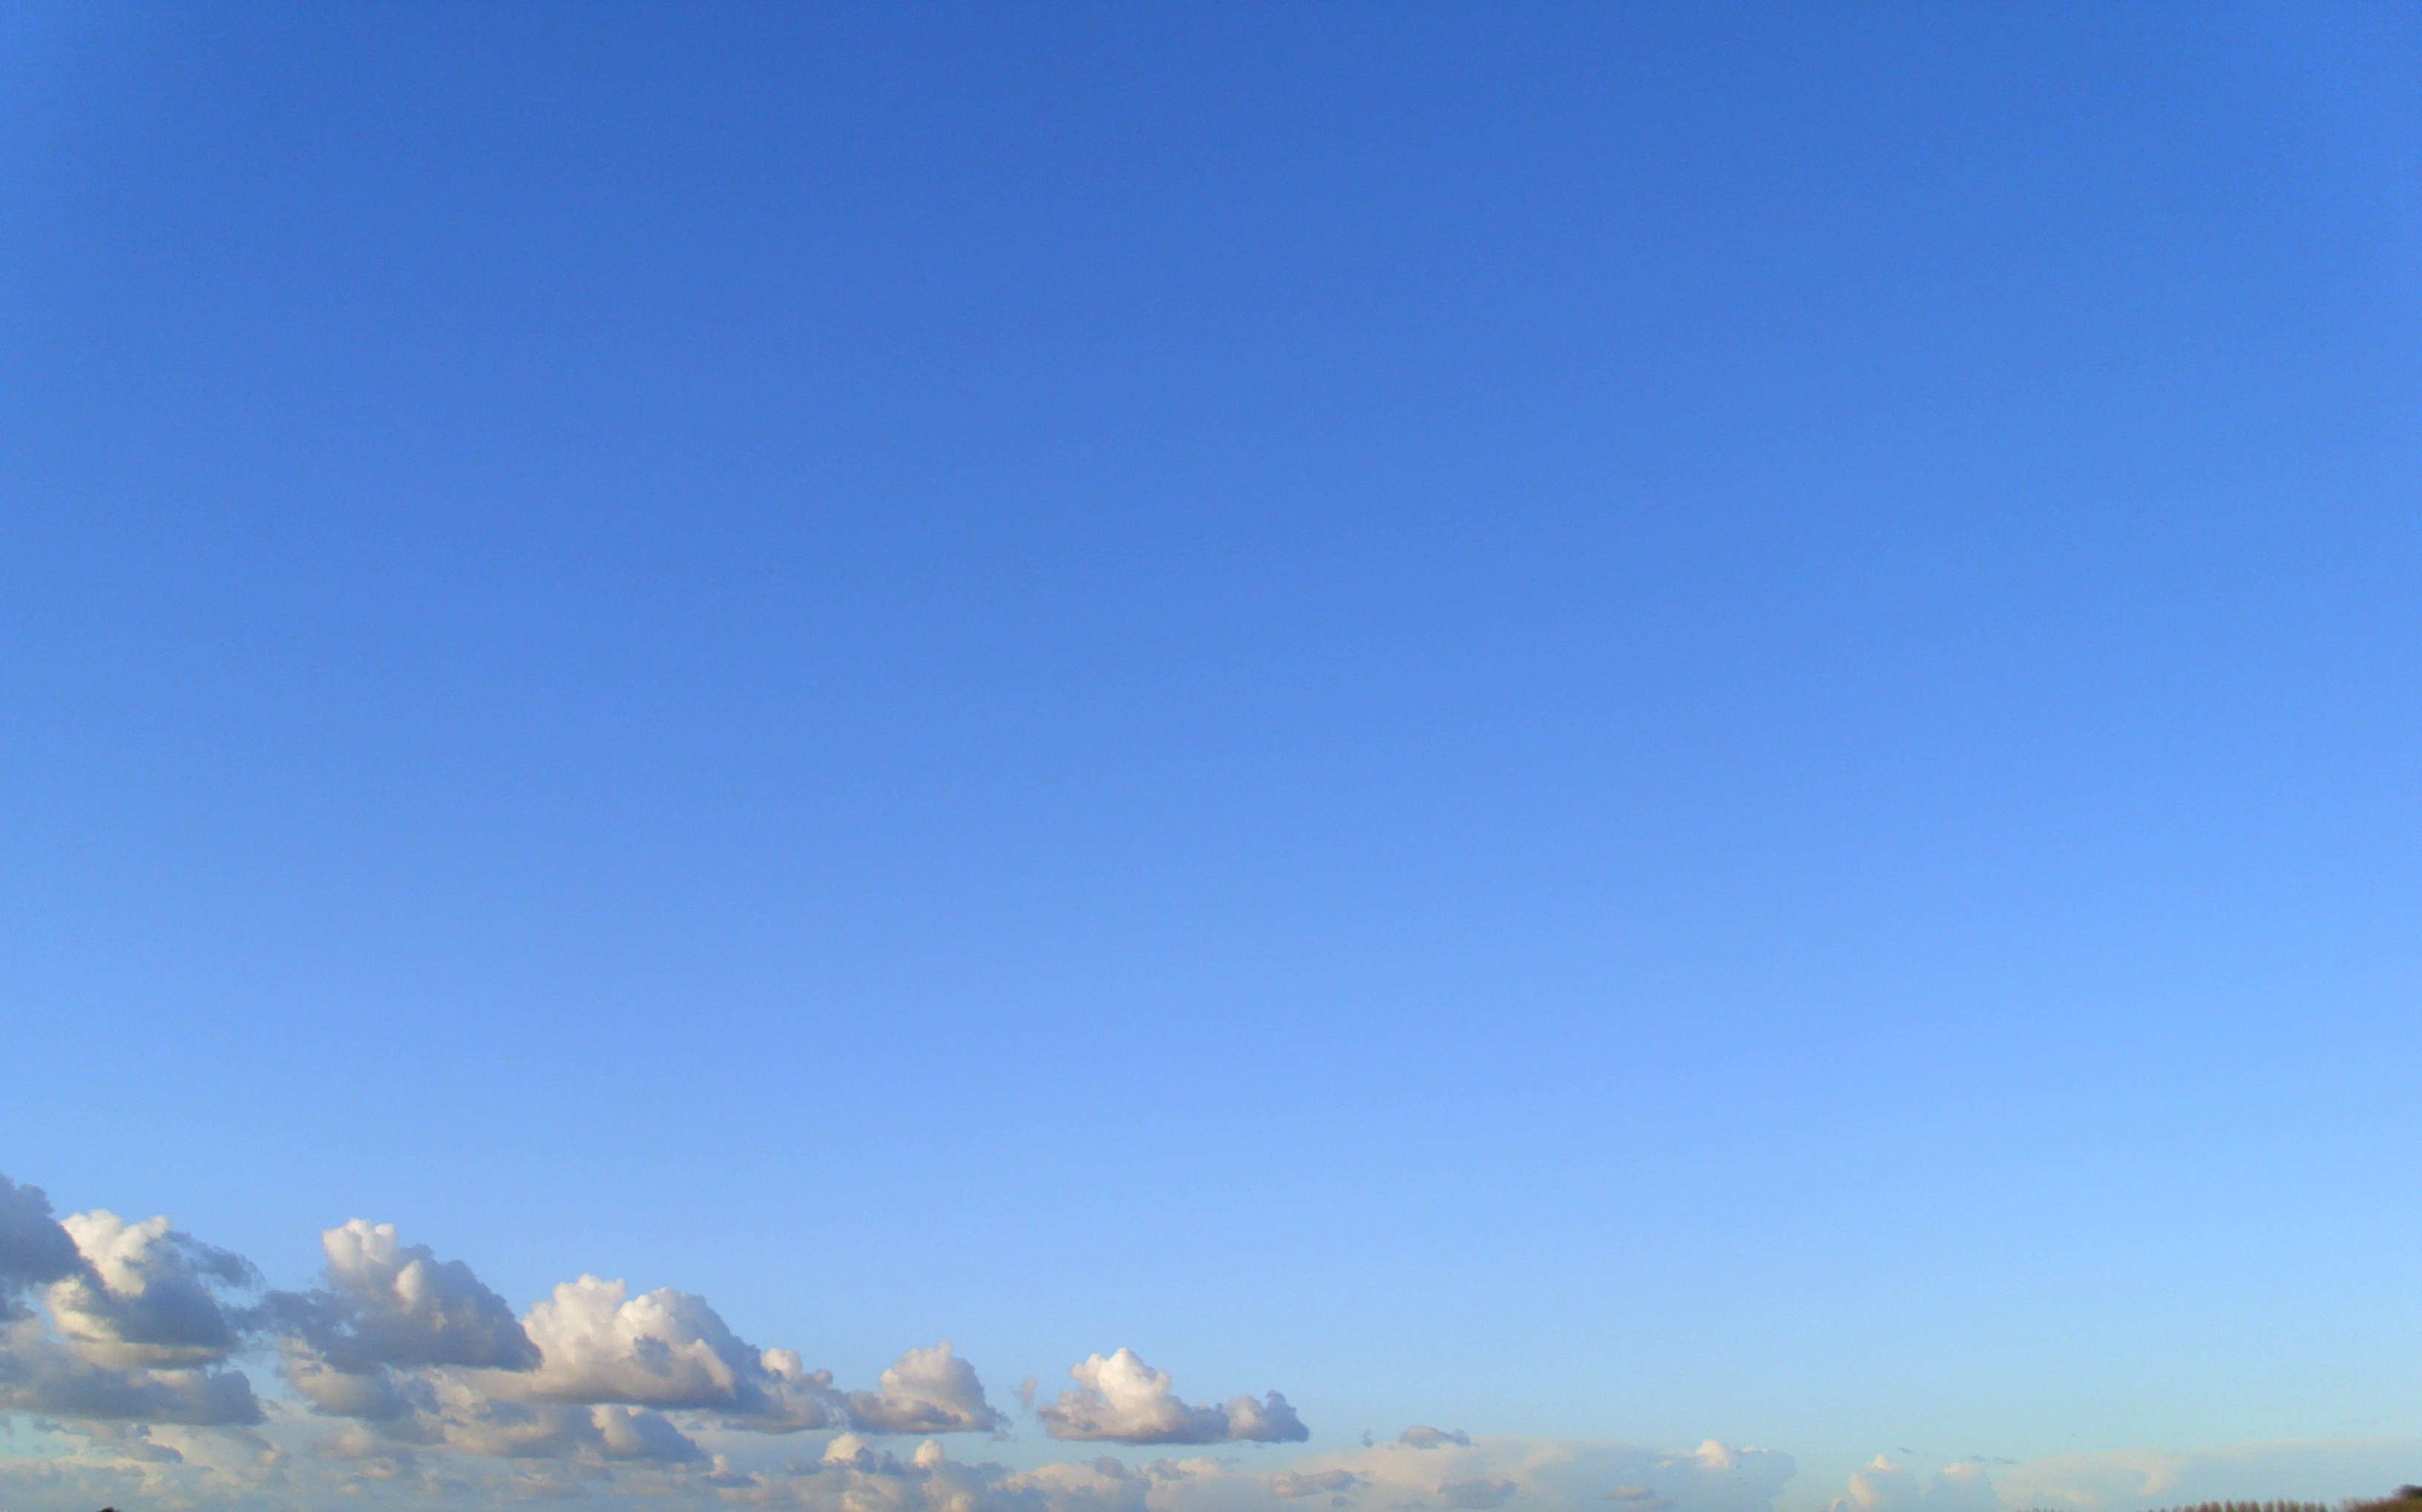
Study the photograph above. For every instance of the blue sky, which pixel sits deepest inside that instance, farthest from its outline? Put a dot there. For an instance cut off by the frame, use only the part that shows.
(1610, 725)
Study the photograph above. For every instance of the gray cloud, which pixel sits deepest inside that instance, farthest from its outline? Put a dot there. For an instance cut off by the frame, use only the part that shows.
(1293, 1484)
(1119, 1398)
(34, 1249)
(39, 1375)
(1485, 1491)
(1422, 1437)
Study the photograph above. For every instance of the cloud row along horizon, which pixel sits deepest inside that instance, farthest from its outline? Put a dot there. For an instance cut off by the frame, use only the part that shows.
(402, 1375)
(111, 1324)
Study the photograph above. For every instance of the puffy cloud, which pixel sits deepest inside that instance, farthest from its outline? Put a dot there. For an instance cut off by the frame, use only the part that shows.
(1119, 1398)
(145, 1295)
(925, 1390)
(388, 1303)
(665, 1350)
(1479, 1493)
(1421, 1436)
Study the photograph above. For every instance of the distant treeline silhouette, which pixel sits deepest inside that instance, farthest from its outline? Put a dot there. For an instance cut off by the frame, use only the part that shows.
(2405, 1499)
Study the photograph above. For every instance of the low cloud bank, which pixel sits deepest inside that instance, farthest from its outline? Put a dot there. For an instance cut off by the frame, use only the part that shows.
(861, 1473)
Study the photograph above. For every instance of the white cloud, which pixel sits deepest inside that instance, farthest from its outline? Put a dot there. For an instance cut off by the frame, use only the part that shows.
(1119, 1398)
(925, 1390)
(664, 1349)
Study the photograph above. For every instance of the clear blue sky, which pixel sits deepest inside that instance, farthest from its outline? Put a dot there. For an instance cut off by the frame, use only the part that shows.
(1632, 722)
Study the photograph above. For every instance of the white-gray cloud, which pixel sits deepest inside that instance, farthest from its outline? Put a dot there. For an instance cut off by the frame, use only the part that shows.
(1121, 1399)
(40, 1375)
(391, 1304)
(665, 1350)
(145, 1294)
(136, 1328)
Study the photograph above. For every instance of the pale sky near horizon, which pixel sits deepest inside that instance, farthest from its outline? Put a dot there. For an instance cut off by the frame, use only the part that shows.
(1609, 726)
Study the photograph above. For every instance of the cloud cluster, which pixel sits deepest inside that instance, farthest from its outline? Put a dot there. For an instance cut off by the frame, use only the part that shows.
(401, 1367)
(1120, 1399)
(420, 1353)
(139, 1325)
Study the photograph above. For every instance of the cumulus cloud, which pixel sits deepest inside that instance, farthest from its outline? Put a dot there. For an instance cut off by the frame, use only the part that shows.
(1119, 1398)
(145, 1294)
(663, 1350)
(1480, 1492)
(388, 1303)
(135, 1322)
(424, 1352)
(925, 1390)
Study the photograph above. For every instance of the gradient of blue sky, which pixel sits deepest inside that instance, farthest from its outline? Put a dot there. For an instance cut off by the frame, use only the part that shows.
(1633, 723)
